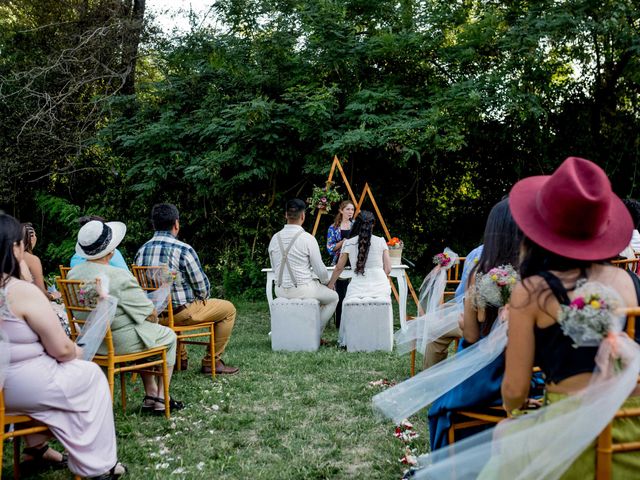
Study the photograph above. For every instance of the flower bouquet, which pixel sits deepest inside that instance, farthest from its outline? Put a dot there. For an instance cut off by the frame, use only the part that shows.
(89, 294)
(323, 197)
(589, 318)
(494, 287)
(395, 250)
(443, 259)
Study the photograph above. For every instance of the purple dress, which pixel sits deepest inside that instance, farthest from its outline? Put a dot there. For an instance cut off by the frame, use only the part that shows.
(72, 398)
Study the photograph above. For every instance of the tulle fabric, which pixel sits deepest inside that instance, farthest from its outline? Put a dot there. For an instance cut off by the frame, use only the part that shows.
(544, 444)
(436, 318)
(160, 297)
(406, 398)
(97, 322)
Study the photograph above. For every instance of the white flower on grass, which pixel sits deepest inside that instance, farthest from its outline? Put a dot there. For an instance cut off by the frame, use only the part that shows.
(179, 471)
(200, 466)
(215, 407)
(162, 466)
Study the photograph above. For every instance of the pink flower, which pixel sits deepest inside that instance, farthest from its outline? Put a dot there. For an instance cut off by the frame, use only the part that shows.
(578, 303)
(324, 199)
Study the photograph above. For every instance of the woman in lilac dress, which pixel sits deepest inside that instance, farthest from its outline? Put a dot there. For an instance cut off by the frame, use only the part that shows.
(46, 380)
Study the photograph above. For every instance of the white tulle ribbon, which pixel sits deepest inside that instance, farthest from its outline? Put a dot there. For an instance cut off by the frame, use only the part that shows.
(417, 392)
(436, 319)
(95, 326)
(5, 357)
(164, 278)
(544, 444)
(429, 327)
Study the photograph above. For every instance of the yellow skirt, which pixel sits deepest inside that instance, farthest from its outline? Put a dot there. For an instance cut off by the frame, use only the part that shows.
(626, 466)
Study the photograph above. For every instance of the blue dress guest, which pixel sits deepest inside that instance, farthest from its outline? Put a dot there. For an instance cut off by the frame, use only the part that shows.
(336, 235)
(501, 247)
(117, 260)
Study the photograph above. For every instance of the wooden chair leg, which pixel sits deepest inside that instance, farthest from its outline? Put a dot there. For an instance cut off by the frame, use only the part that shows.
(111, 380)
(165, 384)
(178, 365)
(604, 452)
(451, 434)
(413, 362)
(16, 458)
(212, 352)
(123, 391)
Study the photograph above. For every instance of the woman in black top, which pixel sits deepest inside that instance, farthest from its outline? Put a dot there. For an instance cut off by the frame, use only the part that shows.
(572, 222)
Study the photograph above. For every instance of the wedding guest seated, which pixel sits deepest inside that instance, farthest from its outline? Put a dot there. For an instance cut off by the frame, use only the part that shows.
(296, 260)
(633, 207)
(116, 261)
(46, 379)
(135, 326)
(33, 262)
(560, 252)
(501, 243)
(190, 295)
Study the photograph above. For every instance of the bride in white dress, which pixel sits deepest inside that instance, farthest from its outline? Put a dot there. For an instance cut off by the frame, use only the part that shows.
(368, 256)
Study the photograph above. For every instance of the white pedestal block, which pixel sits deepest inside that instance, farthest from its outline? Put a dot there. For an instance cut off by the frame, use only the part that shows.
(295, 324)
(368, 324)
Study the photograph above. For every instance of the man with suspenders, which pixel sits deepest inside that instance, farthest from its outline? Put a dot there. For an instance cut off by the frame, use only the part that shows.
(297, 263)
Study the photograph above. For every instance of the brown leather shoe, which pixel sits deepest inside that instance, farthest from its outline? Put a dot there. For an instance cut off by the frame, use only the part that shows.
(222, 369)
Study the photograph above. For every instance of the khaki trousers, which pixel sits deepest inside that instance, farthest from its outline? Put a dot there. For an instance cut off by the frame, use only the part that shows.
(438, 350)
(221, 312)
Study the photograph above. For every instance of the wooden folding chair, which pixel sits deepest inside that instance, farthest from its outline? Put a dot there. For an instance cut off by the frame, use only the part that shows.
(149, 279)
(469, 418)
(454, 276)
(631, 264)
(605, 448)
(22, 425)
(64, 271)
(116, 363)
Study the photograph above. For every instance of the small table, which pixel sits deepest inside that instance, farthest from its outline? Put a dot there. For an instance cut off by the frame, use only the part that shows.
(397, 272)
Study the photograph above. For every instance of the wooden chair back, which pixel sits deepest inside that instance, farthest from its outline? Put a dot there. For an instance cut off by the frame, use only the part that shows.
(70, 291)
(149, 279)
(454, 276)
(64, 271)
(631, 264)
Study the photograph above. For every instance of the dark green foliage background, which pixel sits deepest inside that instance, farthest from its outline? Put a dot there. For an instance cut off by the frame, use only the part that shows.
(440, 106)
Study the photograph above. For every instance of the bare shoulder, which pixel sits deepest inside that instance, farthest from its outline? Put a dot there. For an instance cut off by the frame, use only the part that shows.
(21, 294)
(525, 291)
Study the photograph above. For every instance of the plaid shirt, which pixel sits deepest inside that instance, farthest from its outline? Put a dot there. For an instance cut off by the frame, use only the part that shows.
(165, 249)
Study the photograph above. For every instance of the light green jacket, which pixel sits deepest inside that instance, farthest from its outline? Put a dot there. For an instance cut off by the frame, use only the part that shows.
(131, 333)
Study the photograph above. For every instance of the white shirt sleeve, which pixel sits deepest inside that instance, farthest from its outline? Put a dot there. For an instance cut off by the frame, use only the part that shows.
(315, 258)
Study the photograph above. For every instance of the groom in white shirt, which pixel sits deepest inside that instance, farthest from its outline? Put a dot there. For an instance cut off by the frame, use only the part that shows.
(297, 263)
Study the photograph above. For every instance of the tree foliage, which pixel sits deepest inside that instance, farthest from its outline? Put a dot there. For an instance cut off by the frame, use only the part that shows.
(439, 105)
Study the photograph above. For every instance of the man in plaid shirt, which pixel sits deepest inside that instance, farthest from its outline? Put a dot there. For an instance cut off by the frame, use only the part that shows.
(190, 293)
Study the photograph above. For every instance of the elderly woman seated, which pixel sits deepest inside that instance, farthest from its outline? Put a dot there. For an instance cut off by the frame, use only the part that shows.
(135, 326)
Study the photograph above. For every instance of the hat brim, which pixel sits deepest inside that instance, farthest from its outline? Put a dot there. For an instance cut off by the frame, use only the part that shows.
(613, 240)
(118, 231)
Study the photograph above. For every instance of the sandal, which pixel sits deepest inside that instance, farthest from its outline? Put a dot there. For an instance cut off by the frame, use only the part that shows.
(38, 463)
(174, 405)
(116, 472)
(148, 408)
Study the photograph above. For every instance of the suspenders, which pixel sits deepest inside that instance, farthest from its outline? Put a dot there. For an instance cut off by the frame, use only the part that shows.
(285, 259)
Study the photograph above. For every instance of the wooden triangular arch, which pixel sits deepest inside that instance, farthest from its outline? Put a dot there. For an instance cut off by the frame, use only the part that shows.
(336, 164)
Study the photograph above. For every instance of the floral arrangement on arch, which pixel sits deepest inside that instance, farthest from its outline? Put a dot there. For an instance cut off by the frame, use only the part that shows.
(589, 318)
(395, 243)
(494, 287)
(323, 198)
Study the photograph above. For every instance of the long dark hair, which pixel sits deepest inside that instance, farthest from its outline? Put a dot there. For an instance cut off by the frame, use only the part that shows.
(536, 259)
(28, 233)
(10, 235)
(362, 228)
(502, 239)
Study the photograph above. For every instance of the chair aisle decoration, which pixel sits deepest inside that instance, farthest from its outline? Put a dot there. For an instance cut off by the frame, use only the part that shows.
(156, 281)
(141, 362)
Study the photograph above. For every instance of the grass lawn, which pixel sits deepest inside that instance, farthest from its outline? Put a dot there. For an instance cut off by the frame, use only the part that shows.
(285, 416)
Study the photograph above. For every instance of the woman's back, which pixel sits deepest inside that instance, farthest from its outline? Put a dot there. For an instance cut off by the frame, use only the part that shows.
(374, 256)
(24, 343)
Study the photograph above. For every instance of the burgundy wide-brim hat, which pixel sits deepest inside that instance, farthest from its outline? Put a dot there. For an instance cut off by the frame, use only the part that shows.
(573, 212)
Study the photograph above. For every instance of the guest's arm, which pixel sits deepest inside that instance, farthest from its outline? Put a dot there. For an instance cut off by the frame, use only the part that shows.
(470, 324)
(520, 349)
(195, 275)
(339, 268)
(27, 302)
